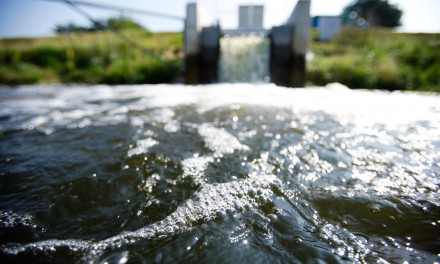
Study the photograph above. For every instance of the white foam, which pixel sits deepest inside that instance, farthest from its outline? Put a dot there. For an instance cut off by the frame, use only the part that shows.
(195, 167)
(142, 147)
(64, 105)
(209, 202)
(219, 140)
(172, 126)
(363, 107)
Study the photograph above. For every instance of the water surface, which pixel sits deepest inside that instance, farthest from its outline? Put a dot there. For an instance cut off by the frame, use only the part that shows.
(218, 174)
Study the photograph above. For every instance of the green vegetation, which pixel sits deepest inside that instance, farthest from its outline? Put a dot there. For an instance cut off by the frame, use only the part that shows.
(94, 57)
(376, 13)
(116, 23)
(378, 59)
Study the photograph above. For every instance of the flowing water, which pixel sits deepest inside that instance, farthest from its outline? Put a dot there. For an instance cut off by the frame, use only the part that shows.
(234, 173)
(244, 59)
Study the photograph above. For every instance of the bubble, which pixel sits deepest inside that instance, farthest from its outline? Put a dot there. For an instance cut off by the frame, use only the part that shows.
(219, 140)
(272, 217)
(18, 227)
(229, 211)
(262, 199)
(375, 209)
(220, 215)
(238, 206)
(211, 201)
(277, 211)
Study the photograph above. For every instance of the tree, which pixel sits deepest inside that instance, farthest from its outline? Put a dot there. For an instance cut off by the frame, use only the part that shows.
(377, 13)
(119, 23)
(69, 28)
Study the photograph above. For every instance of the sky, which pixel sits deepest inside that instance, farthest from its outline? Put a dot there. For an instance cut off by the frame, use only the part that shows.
(34, 18)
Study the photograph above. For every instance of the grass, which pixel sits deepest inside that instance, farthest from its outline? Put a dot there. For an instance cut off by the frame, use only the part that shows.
(99, 57)
(378, 59)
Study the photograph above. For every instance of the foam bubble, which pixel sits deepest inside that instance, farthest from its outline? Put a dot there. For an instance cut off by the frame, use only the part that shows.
(18, 227)
(210, 202)
(172, 126)
(55, 106)
(142, 147)
(194, 168)
(219, 140)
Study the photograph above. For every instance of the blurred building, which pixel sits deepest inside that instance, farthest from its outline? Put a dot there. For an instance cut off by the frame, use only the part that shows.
(250, 21)
(328, 26)
(250, 17)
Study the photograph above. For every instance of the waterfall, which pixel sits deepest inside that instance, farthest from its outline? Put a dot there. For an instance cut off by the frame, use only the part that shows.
(244, 59)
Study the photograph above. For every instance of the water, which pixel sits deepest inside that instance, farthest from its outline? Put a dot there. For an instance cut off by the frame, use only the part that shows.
(218, 174)
(244, 59)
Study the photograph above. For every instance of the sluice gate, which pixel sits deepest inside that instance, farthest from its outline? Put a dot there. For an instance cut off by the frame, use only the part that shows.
(277, 55)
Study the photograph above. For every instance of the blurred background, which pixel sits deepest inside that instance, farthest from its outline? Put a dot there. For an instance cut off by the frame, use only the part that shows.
(391, 45)
(35, 18)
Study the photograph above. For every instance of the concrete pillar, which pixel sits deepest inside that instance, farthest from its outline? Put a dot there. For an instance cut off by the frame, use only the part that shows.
(209, 54)
(196, 19)
(302, 23)
(281, 56)
(191, 44)
(289, 46)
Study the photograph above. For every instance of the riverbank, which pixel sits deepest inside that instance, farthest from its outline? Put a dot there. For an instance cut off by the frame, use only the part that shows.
(95, 57)
(378, 59)
(359, 59)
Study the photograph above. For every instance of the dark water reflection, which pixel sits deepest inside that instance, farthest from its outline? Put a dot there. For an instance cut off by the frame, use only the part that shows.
(219, 174)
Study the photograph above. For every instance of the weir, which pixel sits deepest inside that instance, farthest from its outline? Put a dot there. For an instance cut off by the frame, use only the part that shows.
(244, 59)
(277, 55)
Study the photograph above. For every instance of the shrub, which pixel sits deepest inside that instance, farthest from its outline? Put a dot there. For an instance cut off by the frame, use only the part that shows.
(46, 56)
(151, 71)
(348, 70)
(92, 58)
(378, 59)
(388, 75)
(22, 73)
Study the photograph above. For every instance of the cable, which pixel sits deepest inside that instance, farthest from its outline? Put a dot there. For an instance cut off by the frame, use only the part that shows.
(72, 4)
(118, 8)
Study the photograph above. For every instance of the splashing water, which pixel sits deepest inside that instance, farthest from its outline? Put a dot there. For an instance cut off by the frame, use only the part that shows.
(218, 173)
(244, 59)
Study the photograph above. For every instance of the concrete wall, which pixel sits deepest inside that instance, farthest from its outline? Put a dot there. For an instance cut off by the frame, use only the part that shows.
(288, 63)
(301, 20)
(209, 54)
(250, 17)
(281, 56)
(196, 19)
